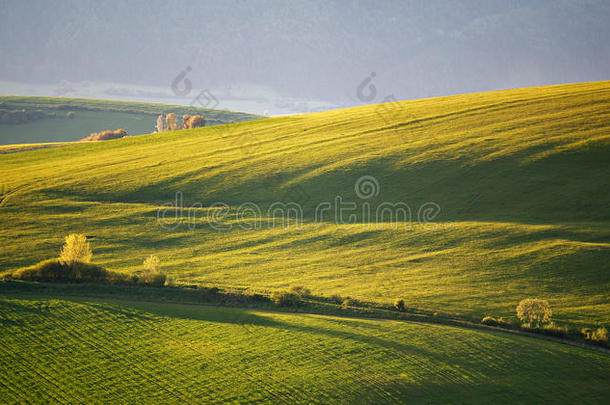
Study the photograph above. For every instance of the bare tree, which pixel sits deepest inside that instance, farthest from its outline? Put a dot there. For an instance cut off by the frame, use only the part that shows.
(160, 127)
(172, 122)
(196, 121)
(185, 121)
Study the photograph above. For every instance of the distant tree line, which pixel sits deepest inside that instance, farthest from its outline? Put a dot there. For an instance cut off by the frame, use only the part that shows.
(170, 122)
(10, 115)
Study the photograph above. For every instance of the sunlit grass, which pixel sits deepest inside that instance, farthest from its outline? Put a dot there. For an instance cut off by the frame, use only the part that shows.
(521, 177)
(85, 350)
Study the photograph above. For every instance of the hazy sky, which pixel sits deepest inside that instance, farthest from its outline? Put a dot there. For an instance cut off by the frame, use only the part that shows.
(309, 49)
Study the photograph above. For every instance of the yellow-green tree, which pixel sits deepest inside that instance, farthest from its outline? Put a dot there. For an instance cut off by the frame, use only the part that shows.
(534, 311)
(76, 249)
(152, 274)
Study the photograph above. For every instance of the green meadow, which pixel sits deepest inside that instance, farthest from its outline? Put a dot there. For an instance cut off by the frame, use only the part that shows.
(504, 196)
(74, 350)
(519, 179)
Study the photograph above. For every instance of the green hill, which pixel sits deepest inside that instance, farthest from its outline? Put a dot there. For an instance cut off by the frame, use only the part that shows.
(99, 351)
(521, 178)
(45, 119)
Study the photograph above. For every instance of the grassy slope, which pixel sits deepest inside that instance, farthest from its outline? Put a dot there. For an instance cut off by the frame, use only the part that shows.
(521, 176)
(84, 350)
(137, 118)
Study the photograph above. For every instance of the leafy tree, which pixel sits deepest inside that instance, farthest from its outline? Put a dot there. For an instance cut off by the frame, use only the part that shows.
(399, 304)
(152, 275)
(600, 335)
(285, 298)
(534, 311)
(76, 249)
(301, 291)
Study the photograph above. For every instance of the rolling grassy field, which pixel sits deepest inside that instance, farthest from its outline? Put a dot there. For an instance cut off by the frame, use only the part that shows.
(521, 178)
(68, 350)
(92, 115)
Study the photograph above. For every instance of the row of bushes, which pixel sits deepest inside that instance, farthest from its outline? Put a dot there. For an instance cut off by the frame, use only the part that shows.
(73, 265)
(56, 270)
(292, 297)
(170, 122)
(535, 316)
(230, 296)
(25, 116)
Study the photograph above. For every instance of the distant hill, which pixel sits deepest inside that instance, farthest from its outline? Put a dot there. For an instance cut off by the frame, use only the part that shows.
(57, 119)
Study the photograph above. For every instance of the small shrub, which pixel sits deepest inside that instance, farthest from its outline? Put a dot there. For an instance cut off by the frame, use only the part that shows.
(170, 282)
(208, 294)
(587, 333)
(152, 264)
(504, 323)
(399, 304)
(300, 291)
(337, 299)
(105, 135)
(348, 302)
(555, 330)
(259, 298)
(90, 272)
(600, 335)
(490, 321)
(235, 296)
(76, 249)
(152, 275)
(285, 298)
(534, 311)
(121, 278)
